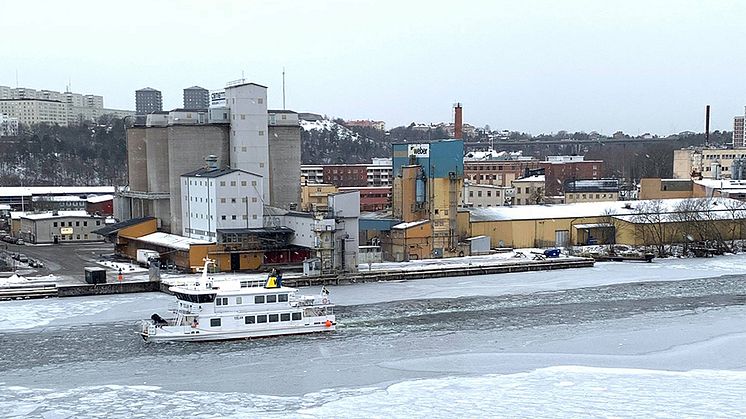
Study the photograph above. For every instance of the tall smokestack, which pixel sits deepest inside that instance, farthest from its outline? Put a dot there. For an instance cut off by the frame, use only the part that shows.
(458, 123)
(707, 126)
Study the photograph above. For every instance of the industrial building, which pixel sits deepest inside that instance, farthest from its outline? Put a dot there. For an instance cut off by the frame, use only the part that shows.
(215, 200)
(428, 185)
(23, 198)
(590, 190)
(60, 227)
(237, 128)
(376, 174)
(477, 195)
(709, 163)
(598, 222)
(284, 237)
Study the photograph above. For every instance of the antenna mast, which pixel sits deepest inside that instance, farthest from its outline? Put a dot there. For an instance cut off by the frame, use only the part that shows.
(283, 89)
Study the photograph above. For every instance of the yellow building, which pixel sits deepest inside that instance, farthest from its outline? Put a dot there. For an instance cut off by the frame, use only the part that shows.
(314, 196)
(411, 241)
(599, 222)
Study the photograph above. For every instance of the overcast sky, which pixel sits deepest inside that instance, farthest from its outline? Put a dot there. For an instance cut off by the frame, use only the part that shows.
(534, 66)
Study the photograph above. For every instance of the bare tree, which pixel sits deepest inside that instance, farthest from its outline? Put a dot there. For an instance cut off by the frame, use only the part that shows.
(653, 226)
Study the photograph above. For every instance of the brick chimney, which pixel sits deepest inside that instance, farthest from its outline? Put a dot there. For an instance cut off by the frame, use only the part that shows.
(458, 122)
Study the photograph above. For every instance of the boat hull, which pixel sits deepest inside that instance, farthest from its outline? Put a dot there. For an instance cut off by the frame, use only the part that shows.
(188, 334)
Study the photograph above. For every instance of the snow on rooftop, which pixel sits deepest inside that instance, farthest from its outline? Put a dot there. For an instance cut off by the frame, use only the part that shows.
(10, 191)
(171, 240)
(534, 178)
(100, 198)
(404, 226)
(56, 214)
(579, 210)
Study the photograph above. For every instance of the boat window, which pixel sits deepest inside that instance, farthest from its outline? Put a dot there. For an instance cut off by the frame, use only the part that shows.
(285, 317)
(274, 318)
(262, 318)
(283, 298)
(272, 298)
(223, 301)
(258, 299)
(195, 298)
(214, 322)
(249, 319)
(296, 316)
(239, 300)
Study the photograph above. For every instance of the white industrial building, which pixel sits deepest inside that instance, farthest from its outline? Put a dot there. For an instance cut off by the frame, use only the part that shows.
(249, 145)
(220, 199)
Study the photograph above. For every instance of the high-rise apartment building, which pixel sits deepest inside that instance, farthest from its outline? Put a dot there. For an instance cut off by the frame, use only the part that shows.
(739, 141)
(148, 100)
(31, 106)
(196, 97)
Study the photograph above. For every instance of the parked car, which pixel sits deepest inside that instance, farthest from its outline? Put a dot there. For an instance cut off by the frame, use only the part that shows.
(22, 258)
(20, 242)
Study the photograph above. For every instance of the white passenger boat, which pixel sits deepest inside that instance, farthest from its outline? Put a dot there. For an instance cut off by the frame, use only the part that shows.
(234, 309)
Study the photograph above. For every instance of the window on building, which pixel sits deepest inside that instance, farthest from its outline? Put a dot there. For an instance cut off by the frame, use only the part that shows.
(243, 183)
(244, 199)
(471, 194)
(249, 320)
(233, 183)
(297, 316)
(283, 298)
(258, 299)
(233, 200)
(272, 298)
(233, 217)
(222, 183)
(489, 193)
(55, 224)
(253, 217)
(245, 217)
(243, 149)
(285, 317)
(274, 318)
(85, 223)
(214, 322)
(223, 217)
(479, 194)
(261, 318)
(260, 100)
(253, 183)
(253, 199)
(243, 116)
(222, 200)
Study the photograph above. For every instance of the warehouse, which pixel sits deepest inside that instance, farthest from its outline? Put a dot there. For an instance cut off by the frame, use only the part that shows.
(606, 222)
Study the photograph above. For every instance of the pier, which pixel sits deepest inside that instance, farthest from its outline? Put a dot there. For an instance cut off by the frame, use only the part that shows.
(47, 290)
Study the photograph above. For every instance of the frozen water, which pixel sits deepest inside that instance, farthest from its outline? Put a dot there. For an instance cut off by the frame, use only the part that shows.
(561, 391)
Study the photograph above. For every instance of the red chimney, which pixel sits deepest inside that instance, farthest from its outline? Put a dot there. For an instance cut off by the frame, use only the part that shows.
(458, 123)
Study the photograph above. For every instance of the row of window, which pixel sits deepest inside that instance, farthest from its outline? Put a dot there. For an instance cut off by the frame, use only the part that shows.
(70, 223)
(263, 318)
(222, 182)
(222, 217)
(222, 200)
(590, 196)
(258, 299)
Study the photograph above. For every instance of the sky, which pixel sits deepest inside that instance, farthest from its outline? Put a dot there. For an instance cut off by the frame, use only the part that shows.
(536, 66)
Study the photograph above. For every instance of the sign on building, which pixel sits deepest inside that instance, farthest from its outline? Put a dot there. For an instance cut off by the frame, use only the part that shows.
(419, 150)
(217, 98)
(66, 231)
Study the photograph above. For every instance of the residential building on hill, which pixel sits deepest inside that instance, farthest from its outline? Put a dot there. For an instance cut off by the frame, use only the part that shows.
(196, 97)
(148, 100)
(31, 106)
